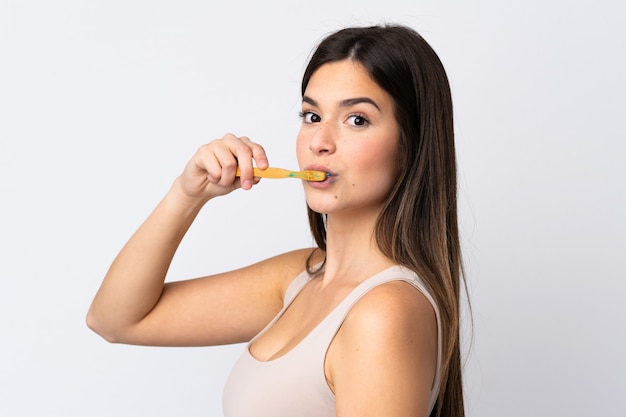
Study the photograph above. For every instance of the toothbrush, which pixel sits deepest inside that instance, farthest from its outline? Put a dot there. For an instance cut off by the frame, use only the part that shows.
(308, 175)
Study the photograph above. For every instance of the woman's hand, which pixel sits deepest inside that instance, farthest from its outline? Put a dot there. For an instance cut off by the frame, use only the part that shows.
(211, 171)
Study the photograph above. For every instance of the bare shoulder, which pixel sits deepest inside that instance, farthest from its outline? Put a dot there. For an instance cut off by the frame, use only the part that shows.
(283, 268)
(388, 342)
(392, 309)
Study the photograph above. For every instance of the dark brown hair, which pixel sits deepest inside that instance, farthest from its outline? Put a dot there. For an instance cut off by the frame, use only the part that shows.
(417, 226)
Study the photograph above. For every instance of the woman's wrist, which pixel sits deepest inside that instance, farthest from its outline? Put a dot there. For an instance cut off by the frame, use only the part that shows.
(183, 201)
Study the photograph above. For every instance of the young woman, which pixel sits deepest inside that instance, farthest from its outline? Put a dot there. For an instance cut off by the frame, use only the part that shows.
(367, 323)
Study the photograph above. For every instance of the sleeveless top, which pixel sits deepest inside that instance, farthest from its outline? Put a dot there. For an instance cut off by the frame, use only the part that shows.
(294, 384)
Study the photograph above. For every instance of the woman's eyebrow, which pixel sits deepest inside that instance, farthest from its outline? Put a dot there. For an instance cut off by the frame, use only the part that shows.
(352, 101)
(309, 100)
(344, 103)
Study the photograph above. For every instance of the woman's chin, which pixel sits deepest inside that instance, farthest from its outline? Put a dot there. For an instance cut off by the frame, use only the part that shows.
(320, 207)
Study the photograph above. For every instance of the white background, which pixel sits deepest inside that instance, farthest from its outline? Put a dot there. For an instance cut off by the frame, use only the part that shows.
(103, 102)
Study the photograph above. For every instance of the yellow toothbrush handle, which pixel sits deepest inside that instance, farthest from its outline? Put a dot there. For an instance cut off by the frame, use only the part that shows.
(285, 173)
(269, 173)
(272, 173)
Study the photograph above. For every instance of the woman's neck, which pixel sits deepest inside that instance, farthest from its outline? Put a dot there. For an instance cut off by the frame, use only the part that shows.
(352, 253)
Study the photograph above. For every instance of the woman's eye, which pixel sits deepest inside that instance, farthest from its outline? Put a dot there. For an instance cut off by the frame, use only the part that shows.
(309, 117)
(357, 120)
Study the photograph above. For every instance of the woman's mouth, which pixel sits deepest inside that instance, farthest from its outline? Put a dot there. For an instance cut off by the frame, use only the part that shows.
(331, 176)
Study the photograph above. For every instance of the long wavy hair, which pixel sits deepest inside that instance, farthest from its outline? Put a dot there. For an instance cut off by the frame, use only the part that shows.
(417, 226)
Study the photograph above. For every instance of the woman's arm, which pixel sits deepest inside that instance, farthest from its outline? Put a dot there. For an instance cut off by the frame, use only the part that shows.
(382, 361)
(134, 306)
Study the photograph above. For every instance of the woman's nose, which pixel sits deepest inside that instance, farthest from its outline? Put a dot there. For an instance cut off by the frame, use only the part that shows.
(323, 140)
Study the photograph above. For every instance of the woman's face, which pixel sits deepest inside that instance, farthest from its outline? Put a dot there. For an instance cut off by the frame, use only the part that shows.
(348, 130)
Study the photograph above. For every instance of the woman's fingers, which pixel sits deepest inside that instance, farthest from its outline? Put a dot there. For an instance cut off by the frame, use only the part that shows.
(241, 148)
(258, 153)
(212, 170)
(245, 152)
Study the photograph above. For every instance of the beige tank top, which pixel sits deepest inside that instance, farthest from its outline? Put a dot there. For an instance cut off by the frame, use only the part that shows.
(294, 384)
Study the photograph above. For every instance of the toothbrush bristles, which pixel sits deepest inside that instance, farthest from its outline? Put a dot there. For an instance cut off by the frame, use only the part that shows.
(312, 175)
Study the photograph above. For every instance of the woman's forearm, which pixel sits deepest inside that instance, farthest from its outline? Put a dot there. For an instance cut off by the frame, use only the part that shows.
(134, 282)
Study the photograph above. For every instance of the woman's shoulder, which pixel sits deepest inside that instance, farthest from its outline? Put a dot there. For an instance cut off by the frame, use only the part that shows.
(392, 305)
(390, 336)
(288, 265)
(295, 259)
(392, 313)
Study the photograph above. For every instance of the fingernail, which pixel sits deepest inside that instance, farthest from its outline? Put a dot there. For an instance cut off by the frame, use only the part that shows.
(247, 184)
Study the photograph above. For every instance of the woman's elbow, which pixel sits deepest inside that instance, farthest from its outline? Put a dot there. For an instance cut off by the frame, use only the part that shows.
(95, 323)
